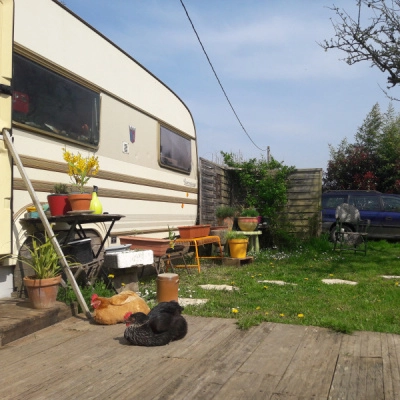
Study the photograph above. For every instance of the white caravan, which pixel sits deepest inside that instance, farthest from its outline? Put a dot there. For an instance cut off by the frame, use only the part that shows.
(64, 85)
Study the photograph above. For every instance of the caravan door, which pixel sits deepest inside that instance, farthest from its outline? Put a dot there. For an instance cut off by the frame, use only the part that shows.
(6, 44)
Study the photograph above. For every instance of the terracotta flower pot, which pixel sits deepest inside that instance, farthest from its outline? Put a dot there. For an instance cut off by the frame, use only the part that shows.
(228, 222)
(194, 231)
(42, 292)
(159, 246)
(80, 201)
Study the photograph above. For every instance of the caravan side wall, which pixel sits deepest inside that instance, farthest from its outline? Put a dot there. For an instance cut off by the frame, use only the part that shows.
(81, 92)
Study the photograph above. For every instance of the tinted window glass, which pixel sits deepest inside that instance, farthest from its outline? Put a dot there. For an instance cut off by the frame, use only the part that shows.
(391, 203)
(50, 102)
(367, 203)
(175, 150)
(332, 201)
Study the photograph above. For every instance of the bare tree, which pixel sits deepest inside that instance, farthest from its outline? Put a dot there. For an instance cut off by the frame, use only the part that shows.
(373, 35)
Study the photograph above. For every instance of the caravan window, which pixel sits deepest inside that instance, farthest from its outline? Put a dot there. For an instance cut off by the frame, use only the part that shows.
(175, 150)
(45, 100)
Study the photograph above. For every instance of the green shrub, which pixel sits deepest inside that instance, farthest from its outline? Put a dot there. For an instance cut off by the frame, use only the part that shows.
(224, 212)
(235, 235)
(249, 212)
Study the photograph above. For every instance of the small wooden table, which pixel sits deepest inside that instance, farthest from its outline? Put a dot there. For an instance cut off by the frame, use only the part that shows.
(196, 242)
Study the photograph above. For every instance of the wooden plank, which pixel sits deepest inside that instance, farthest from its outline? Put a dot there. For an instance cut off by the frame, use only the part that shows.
(77, 359)
(237, 262)
(217, 365)
(391, 366)
(260, 373)
(358, 378)
(310, 371)
(178, 357)
(360, 358)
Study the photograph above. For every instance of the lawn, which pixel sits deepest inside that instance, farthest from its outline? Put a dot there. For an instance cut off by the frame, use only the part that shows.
(370, 305)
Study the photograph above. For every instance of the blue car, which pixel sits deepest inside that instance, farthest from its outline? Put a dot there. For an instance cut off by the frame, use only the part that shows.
(383, 210)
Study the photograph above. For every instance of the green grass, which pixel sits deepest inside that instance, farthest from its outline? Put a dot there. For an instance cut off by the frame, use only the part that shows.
(371, 305)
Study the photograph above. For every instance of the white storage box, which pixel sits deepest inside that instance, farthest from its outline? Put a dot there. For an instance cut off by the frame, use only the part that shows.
(128, 259)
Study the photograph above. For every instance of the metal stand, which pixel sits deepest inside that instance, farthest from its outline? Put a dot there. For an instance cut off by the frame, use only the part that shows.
(45, 222)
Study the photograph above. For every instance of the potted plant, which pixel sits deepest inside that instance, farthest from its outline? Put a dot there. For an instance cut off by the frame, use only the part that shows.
(225, 216)
(58, 200)
(42, 286)
(248, 219)
(237, 242)
(171, 237)
(80, 169)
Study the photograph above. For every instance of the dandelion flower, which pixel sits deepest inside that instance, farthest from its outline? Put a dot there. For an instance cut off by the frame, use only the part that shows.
(111, 276)
(122, 284)
(330, 274)
(258, 307)
(265, 287)
(282, 315)
(235, 310)
(266, 312)
(397, 283)
(306, 279)
(300, 315)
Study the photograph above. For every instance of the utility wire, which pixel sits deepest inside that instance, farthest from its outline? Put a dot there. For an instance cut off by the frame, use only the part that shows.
(220, 84)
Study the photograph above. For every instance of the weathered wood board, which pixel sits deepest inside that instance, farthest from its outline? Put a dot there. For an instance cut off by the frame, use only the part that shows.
(75, 359)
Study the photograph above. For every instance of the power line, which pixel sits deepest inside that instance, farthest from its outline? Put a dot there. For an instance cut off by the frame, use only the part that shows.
(220, 84)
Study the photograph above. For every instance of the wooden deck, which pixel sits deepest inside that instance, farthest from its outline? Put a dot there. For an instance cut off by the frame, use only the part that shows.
(75, 359)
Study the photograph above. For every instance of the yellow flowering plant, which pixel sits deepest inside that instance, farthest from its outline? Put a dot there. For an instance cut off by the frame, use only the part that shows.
(81, 169)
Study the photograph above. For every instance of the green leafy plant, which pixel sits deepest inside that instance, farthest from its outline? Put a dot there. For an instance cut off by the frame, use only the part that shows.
(235, 235)
(171, 237)
(263, 185)
(259, 184)
(249, 212)
(43, 257)
(224, 211)
(100, 287)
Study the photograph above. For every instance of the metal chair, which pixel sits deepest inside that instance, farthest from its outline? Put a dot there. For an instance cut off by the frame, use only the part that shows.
(351, 232)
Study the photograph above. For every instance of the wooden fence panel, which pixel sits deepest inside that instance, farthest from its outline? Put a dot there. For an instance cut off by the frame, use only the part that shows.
(304, 196)
(214, 190)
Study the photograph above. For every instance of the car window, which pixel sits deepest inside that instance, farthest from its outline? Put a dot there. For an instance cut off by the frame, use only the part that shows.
(366, 203)
(332, 201)
(391, 203)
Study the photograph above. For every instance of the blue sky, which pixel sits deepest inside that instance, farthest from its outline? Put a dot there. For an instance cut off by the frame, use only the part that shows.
(287, 91)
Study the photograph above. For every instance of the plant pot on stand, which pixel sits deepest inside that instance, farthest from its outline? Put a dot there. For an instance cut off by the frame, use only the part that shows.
(247, 224)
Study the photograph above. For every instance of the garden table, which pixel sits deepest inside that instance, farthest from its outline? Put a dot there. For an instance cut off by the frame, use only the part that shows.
(75, 222)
